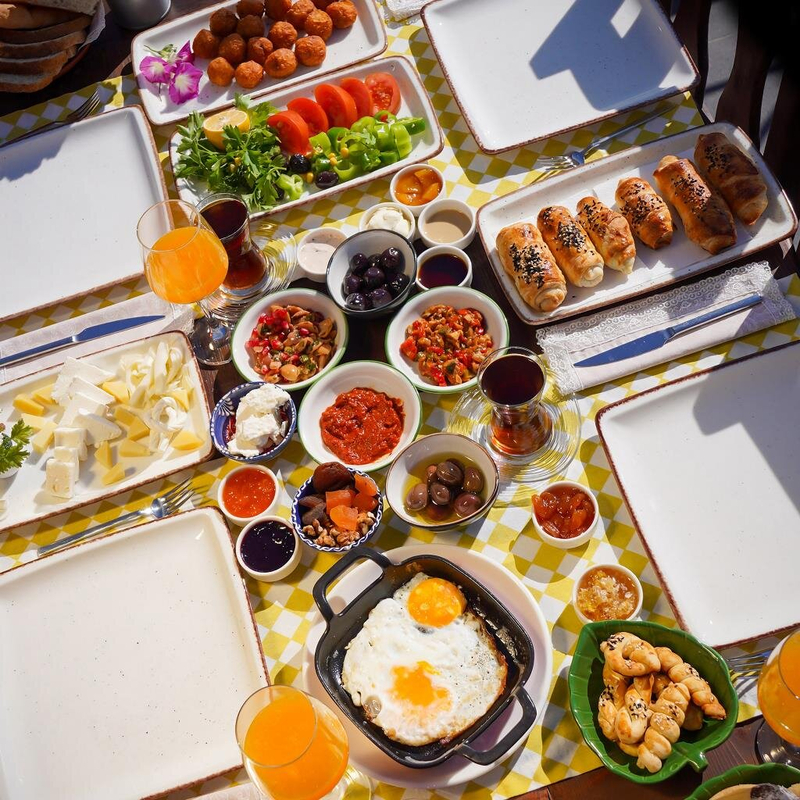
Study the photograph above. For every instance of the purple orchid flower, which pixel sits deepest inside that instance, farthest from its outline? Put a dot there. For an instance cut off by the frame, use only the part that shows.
(156, 69)
(175, 68)
(185, 54)
(185, 83)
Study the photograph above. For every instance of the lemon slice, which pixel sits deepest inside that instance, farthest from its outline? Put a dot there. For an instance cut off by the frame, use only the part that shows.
(214, 125)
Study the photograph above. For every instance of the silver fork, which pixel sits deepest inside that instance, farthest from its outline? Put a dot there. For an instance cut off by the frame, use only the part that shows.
(578, 157)
(161, 507)
(747, 666)
(86, 109)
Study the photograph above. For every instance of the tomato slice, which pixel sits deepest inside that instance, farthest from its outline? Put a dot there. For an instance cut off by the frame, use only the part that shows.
(312, 113)
(292, 131)
(385, 91)
(337, 104)
(361, 95)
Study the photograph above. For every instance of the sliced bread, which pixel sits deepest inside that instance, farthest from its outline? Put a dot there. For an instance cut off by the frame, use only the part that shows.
(11, 36)
(36, 66)
(41, 49)
(9, 82)
(18, 15)
(79, 6)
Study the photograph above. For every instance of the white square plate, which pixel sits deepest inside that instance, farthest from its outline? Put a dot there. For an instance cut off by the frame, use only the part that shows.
(653, 268)
(365, 39)
(24, 494)
(707, 465)
(524, 70)
(69, 203)
(124, 662)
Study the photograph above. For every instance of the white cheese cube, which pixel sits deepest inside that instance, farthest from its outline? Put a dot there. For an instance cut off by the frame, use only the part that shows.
(87, 389)
(60, 477)
(98, 428)
(69, 455)
(80, 404)
(73, 369)
(74, 438)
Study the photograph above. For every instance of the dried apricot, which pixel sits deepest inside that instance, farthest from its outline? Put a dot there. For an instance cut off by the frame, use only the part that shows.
(341, 497)
(365, 485)
(365, 502)
(344, 517)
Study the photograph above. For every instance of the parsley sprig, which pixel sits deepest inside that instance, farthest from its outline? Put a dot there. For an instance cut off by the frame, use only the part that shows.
(14, 447)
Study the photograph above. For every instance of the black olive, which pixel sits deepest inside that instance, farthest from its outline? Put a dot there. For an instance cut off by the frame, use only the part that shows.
(467, 503)
(440, 494)
(326, 179)
(379, 297)
(358, 263)
(299, 164)
(374, 277)
(437, 513)
(430, 474)
(397, 283)
(417, 497)
(392, 259)
(375, 261)
(473, 480)
(459, 464)
(449, 474)
(356, 302)
(352, 283)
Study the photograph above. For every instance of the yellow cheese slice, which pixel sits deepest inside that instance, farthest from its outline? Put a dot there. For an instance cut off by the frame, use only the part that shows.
(41, 440)
(45, 395)
(131, 449)
(37, 423)
(27, 405)
(105, 455)
(187, 440)
(138, 429)
(118, 389)
(124, 415)
(181, 397)
(114, 475)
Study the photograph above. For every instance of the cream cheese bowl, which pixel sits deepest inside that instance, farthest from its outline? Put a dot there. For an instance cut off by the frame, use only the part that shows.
(369, 219)
(315, 250)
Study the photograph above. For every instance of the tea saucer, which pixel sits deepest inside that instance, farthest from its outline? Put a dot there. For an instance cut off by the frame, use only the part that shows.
(472, 414)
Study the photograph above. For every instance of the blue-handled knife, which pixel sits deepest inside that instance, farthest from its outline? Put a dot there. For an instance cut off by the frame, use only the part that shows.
(86, 335)
(652, 341)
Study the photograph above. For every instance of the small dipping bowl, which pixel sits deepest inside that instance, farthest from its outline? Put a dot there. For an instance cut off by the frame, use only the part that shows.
(618, 567)
(441, 222)
(398, 177)
(315, 251)
(369, 222)
(575, 541)
(268, 549)
(440, 266)
(238, 474)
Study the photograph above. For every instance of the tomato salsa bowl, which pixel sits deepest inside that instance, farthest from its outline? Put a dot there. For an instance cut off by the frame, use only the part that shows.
(248, 492)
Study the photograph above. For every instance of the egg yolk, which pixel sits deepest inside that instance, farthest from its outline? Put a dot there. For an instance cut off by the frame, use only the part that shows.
(436, 602)
(413, 685)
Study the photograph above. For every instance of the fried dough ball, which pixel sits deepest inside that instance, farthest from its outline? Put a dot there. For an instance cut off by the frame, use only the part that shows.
(343, 13)
(277, 9)
(250, 26)
(232, 49)
(222, 22)
(220, 72)
(249, 74)
(318, 23)
(280, 63)
(258, 49)
(322, 4)
(298, 12)
(247, 8)
(282, 34)
(205, 44)
(310, 51)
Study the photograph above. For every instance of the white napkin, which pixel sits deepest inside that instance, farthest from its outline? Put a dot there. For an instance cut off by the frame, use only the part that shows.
(245, 791)
(569, 342)
(176, 318)
(402, 9)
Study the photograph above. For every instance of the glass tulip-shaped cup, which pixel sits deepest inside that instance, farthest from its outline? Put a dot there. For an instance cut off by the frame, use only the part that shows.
(295, 748)
(185, 262)
(778, 738)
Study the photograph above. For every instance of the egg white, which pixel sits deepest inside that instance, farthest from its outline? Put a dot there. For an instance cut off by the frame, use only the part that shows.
(461, 659)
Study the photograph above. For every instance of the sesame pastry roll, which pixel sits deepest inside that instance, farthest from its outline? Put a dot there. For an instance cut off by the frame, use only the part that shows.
(645, 211)
(571, 246)
(609, 232)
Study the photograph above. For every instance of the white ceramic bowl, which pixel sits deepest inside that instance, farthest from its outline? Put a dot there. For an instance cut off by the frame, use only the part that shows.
(443, 249)
(372, 242)
(357, 374)
(637, 583)
(404, 210)
(447, 204)
(305, 298)
(415, 210)
(576, 541)
(458, 297)
(236, 520)
(428, 450)
(330, 236)
(287, 568)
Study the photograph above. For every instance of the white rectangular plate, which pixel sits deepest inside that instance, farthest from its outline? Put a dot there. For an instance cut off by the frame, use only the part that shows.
(365, 39)
(124, 662)
(525, 70)
(24, 494)
(654, 268)
(707, 465)
(415, 103)
(69, 203)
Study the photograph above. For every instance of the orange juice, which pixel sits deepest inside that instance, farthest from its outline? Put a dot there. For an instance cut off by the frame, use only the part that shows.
(779, 691)
(186, 264)
(306, 743)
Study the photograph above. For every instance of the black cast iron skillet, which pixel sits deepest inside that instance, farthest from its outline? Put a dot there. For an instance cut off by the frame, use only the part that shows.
(510, 637)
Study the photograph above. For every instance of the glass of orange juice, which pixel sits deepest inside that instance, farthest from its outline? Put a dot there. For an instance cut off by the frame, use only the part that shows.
(778, 738)
(185, 262)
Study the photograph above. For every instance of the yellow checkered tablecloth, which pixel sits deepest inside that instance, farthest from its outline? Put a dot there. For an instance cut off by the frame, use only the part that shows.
(284, 611)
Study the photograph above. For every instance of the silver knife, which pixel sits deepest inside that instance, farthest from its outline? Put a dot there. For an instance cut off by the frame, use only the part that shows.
(652, 341)
(86, 335)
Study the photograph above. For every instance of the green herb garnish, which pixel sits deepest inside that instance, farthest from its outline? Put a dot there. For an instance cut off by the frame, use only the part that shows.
(13, 448)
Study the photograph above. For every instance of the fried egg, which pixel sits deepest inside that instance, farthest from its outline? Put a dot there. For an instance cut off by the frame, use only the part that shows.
(424, 667)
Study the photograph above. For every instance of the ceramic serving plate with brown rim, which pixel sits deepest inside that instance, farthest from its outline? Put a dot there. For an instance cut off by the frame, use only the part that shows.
(24, 494)
(707, 465)
(654, 269)
(415, 103)
(364, 40)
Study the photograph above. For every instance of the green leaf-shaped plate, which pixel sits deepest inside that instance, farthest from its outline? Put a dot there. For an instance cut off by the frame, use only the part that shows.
(779, 774)
(586, 683)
